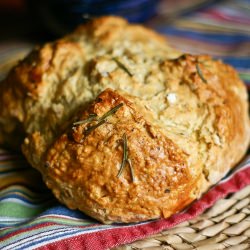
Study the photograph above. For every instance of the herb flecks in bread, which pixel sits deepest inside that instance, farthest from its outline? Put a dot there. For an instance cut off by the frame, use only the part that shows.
(121, 125)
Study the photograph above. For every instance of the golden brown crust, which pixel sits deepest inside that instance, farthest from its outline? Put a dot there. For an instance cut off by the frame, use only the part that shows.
(82, 168)
(48, 83)
(185, 118)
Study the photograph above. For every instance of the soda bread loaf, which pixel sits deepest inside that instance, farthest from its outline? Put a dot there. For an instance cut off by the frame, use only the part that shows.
(121, 125)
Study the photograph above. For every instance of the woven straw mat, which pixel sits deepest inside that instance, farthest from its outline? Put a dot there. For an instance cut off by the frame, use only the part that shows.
(226, 225)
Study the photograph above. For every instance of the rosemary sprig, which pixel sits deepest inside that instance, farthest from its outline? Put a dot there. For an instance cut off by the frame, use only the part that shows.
(91, 118)
(101, 120)
(123, 67)
(91, 128)
(125, 159)
(131, 170)
(111, 112)
(125, 154)
(200, 73)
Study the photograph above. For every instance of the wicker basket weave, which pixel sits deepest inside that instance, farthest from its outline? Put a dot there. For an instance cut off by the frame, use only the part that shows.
(226, 225)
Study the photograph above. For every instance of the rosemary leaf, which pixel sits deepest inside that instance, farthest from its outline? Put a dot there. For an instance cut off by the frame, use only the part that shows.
(91, 128)
(125, 154)
(110, 112)
(122, 66)
(200, 73)
(131, 170)
(101, 120)
(91, 118)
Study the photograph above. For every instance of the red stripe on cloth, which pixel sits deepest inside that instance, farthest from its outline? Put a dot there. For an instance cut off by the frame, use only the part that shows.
(13, 232)
(118, 236)
(25, 230)
(222, 16)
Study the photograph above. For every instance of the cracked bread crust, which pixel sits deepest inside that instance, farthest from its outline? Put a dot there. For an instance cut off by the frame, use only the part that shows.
(196, 108)
(48, 84)
(82, 169)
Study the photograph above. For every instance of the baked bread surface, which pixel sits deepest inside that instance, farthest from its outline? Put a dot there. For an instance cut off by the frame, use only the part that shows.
(184, 119)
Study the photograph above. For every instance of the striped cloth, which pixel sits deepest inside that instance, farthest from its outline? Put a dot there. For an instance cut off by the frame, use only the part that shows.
(31, 218)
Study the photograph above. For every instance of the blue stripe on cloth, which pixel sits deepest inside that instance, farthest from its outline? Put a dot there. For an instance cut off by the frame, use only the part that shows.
(62, 210)
(34, 238)
(206, 36)
(239, 63)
